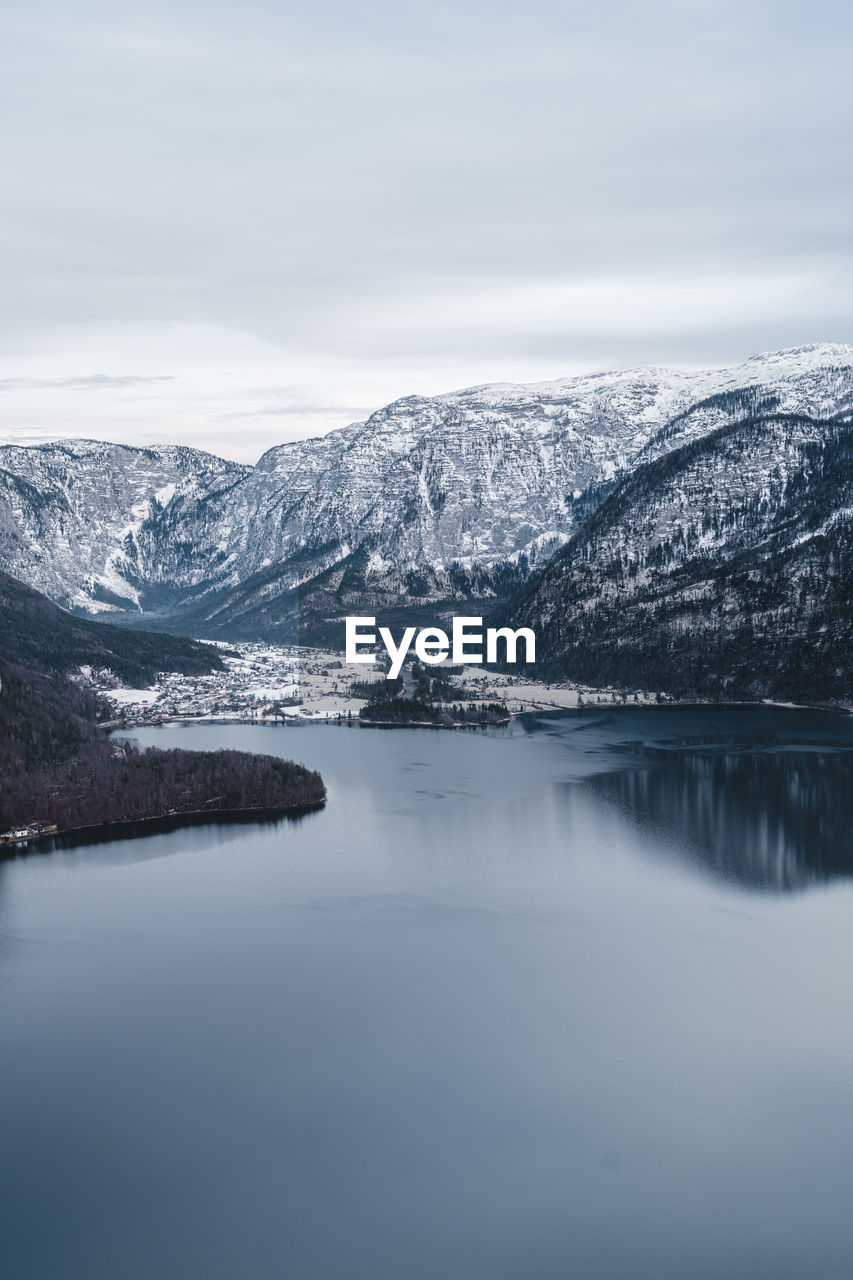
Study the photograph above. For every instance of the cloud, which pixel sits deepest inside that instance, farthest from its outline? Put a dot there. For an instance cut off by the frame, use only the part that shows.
(91, 382)
(381, 199)
(298, 411)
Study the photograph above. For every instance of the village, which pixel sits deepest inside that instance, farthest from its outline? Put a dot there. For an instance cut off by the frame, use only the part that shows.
(24, 834)
(303, 685)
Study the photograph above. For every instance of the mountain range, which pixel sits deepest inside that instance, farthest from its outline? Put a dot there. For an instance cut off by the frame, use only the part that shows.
(431, 504)
(635, 519)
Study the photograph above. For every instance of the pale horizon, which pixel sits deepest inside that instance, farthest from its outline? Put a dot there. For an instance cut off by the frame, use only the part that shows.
(107, 392)
(234, 226)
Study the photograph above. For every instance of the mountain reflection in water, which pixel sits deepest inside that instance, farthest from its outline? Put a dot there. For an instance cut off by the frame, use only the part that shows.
(777, 817)
(486, 1016)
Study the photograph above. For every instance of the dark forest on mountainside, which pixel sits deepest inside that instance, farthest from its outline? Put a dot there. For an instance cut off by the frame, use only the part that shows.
(57, 764)
(723, 570)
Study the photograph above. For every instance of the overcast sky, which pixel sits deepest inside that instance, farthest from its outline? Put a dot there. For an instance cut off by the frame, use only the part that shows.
(235, 224)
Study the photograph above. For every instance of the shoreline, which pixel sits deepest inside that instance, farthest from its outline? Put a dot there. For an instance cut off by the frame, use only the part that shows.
(125, 828)
(128, 828)
(431, 724)
(338, 720)
(265, 684)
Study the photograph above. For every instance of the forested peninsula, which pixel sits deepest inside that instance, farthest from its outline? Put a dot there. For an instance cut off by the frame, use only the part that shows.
(59, 768)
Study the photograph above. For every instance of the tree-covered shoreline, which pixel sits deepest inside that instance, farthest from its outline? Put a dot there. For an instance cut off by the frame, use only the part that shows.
(58, 766)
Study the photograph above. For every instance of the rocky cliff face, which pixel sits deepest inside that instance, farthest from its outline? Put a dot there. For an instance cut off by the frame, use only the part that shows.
(431, 502)
(72, 514)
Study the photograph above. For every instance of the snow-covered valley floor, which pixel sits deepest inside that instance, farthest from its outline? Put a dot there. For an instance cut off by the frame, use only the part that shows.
(299, 684)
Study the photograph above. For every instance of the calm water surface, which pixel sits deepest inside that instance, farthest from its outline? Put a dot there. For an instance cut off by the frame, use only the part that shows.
(565, 1000)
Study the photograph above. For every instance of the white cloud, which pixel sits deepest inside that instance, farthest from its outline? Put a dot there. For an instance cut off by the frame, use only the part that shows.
(297, 213)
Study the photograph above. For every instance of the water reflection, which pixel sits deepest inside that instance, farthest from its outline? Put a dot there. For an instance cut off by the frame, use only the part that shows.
(777, 817)
(463, 1022)
(131, 842)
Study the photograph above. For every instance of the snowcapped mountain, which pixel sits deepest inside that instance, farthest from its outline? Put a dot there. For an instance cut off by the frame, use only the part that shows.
(457, 497)
(724, 568)
(71, 513)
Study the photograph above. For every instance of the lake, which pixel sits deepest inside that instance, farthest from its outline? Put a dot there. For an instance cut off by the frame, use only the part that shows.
(564, 999)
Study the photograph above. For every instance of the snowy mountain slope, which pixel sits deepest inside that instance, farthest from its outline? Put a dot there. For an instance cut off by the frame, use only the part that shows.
(70, 513)
(724, 568)
(477, 477)
(457, 498)
(430, 501)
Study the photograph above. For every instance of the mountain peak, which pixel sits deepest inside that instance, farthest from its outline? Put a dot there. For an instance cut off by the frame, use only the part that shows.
(438, 496)
(818, 353)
